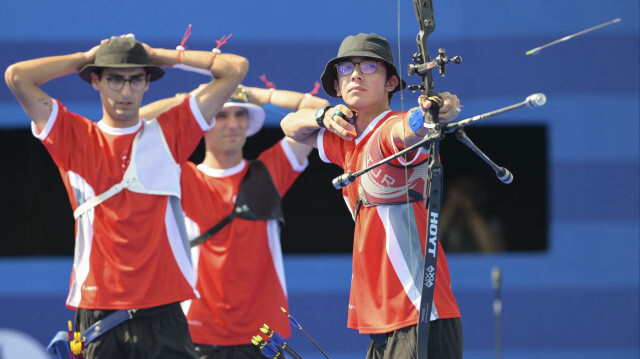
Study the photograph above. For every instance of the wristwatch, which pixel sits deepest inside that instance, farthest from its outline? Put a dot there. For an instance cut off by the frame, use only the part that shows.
(320, 115)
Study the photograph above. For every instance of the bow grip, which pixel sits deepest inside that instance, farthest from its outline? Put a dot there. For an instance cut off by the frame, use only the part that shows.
(433, 112)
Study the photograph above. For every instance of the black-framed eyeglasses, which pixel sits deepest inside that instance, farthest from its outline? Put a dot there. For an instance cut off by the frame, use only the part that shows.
(366, 67)
(137, 83)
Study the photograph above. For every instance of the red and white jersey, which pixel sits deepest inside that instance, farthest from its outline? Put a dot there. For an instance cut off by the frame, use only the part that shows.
(388, 249)
(129, 251)
(239, 274)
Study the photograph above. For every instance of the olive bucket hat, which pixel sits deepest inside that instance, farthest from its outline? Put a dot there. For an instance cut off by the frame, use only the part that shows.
(362, 45)
(121, 52)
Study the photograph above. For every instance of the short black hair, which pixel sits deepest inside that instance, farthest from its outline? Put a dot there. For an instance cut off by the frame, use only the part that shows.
(389, 74)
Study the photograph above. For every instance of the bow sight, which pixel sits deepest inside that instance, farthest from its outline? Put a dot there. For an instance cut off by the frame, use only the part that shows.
(420, 67)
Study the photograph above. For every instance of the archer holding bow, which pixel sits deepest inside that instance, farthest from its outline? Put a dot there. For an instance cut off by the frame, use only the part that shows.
(386, 203)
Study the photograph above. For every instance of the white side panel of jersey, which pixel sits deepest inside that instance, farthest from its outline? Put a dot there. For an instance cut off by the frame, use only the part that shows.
(84, 238)
(181, 254)
(192, 232)
(404, 250)
(273, 232)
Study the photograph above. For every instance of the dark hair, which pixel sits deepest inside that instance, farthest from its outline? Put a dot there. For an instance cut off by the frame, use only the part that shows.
(389, 74)
(98, 72)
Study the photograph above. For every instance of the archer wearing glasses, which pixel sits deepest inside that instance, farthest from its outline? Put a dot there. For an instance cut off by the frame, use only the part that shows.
(387, 256)
(137, 83)
(366, 67)
(98, 160)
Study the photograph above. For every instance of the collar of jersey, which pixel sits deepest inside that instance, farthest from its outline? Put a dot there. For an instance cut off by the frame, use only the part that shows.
(222, 172)
(119, 131)
(371, 126)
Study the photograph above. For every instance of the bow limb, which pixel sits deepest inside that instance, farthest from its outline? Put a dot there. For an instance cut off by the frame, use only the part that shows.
(433, 182)
(424, 14)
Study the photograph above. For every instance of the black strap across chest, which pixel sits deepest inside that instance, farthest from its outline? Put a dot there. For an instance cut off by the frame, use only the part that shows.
(258, 199)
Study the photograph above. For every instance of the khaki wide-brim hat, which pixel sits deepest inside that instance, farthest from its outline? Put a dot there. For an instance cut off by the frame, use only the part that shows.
(362, 45)
(121, 52)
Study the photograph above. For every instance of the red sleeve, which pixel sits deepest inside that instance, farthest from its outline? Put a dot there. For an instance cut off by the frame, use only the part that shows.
(66, 134)
(331, 148)
(182, 130)
(283, 172)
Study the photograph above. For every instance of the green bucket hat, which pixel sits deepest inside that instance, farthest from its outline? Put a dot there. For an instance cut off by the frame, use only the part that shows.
(361, 45)
(121, 52)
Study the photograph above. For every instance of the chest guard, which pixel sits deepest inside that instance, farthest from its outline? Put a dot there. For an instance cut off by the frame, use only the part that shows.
(258, 200)
(152, 169)
(389, 184)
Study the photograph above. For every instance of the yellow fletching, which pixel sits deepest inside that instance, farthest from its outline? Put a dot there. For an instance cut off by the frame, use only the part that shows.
(76, 348)
(257, 341)
(76, 345)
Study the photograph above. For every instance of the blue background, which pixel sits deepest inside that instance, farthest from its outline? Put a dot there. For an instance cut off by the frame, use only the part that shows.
(579, 299)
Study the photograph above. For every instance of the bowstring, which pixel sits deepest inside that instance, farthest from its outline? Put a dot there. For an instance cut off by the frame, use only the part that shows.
(406, 174)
